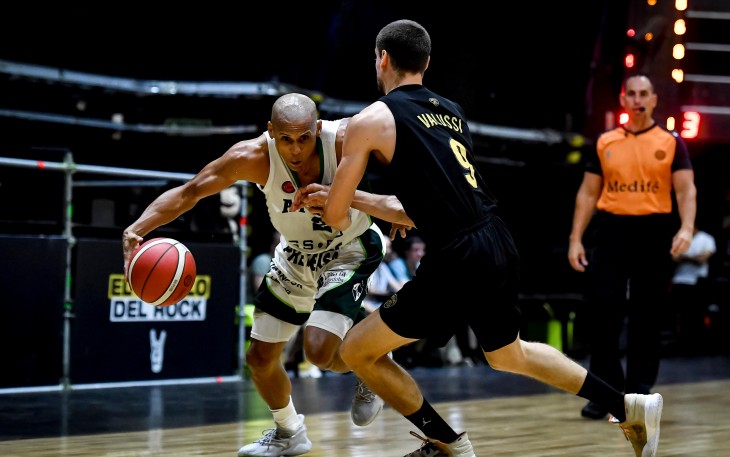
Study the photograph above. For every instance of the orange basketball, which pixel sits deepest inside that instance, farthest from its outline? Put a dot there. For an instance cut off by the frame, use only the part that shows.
(161, 271)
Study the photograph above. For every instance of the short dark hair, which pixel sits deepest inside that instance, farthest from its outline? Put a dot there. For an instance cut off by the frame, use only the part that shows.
(636, 75)
(408, 44)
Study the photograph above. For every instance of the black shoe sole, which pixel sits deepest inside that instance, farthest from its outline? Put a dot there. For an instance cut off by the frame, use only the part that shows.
(593, 412)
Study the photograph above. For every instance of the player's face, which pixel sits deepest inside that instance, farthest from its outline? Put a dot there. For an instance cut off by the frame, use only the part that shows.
(297, 143)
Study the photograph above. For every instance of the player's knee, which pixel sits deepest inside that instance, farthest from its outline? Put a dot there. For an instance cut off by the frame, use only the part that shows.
(354, 357)
(320, 347)
(259, 358)
(501, 364)
(347, 354)
(319, 356)
(510, 358)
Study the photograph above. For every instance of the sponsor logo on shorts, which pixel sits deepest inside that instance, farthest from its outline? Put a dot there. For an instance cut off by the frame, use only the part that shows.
(391, 301)
(332, 278)
(357, 291)
(279, 276)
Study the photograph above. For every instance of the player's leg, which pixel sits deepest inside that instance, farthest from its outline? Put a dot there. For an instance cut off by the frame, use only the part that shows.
(325, 329)
(539, 361)
(269, 336)
(338, 307)
(275, 322)
(338, 300)
(323, 336)
(638, 416)
(497, 327)
(365, 350)
(336, 310)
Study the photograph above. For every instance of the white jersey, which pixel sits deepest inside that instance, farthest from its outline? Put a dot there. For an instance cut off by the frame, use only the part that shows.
(312, 258)
(302, 230)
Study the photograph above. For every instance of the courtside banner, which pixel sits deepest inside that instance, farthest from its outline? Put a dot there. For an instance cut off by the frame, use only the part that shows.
(117, 337)
(125, 306)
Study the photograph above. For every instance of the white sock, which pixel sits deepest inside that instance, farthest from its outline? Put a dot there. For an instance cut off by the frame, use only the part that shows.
(286, 418)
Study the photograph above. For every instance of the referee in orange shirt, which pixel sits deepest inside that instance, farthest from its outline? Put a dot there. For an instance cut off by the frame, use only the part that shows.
(627, 192)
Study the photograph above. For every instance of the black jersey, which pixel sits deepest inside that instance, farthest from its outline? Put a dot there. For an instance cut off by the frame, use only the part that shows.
(433, 172)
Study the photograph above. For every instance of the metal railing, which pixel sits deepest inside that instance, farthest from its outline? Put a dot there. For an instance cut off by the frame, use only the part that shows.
(70, 168)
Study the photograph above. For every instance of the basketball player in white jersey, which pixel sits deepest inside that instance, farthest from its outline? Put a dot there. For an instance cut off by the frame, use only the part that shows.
(318, 275)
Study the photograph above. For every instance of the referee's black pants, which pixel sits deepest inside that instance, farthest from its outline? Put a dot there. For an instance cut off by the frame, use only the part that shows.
(629, 275)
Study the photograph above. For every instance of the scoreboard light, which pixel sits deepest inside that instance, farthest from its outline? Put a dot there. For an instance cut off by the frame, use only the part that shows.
(690, 125)
(670, 123)
(678, 75)
(678, 51)
(629, 60)
(680, 27)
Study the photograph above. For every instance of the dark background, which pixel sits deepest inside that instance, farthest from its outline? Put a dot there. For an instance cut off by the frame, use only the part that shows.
(507, 63)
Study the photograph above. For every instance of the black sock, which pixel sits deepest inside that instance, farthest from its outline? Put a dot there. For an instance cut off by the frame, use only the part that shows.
(598, 391)
(432, 425)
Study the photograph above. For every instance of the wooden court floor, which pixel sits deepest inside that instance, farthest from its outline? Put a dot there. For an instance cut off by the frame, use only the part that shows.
(504, 415)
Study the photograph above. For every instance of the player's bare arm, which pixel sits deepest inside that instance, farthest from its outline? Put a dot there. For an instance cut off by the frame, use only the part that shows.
(371, 130)
(385, 207)
(340, 139)
(246, 160)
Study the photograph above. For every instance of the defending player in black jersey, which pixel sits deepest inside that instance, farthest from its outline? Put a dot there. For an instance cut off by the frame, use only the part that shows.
(424, 141)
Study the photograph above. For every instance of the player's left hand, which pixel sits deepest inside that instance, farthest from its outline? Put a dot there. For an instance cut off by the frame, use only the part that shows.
(395, 229)
(312, 197)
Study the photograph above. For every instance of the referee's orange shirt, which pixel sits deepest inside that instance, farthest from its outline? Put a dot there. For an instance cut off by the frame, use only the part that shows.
(637, 170)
